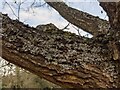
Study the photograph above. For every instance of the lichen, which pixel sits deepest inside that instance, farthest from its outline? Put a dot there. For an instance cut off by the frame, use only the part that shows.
(57, 46)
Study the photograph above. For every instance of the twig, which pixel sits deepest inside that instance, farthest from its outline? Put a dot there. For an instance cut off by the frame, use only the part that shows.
(41, 5)
(78, 30)
(66, 27)
(5, 65)
(32, 3)
(11, 9)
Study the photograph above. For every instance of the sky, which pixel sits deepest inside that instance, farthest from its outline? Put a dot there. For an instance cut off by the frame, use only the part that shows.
(46, 14)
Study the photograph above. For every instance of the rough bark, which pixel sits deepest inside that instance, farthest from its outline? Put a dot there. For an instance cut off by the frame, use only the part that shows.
(60, 57)
(113, 11)
(91, 24)
(112, 34)
(65, 58)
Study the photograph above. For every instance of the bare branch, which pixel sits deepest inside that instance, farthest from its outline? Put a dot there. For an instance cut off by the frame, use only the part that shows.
(40, 5)
(77, 30)
(85, 21)
(58, 56)
(4, 65)
(66, 27)
(113, 11)
(11, 9)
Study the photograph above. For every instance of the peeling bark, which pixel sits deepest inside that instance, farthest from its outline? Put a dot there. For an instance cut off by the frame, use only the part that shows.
(60, 57)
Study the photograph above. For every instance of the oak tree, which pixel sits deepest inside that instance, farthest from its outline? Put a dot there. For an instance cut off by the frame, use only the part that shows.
(65, 58)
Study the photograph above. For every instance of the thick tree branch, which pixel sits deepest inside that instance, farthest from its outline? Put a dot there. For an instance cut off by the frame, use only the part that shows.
(60, 57)
(85, 21)
(113, 11)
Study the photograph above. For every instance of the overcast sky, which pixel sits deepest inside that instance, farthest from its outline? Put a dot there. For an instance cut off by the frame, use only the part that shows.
(45, 14)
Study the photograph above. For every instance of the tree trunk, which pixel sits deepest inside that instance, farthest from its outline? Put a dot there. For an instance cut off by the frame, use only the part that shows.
(58, 56)
(113, 11)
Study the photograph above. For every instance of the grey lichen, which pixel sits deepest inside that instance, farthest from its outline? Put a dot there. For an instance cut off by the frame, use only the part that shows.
(58, 47)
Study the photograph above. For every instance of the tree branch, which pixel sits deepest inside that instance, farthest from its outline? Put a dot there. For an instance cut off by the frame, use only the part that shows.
(58, 56)
(113, 11)
(91, 24)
